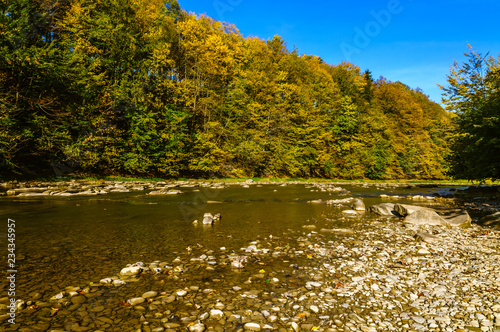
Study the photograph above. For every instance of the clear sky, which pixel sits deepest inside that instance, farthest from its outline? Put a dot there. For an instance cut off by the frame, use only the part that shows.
(412, 41)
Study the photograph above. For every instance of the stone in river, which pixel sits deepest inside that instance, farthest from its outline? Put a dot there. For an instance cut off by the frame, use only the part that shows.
(149, 294)
(78, 299)
(118, 282)
(316, 201)
(106, 281)
(170, 299)
(426, 217)
(131, 271)
(238, 262)
(252, 326)
(384, 209)
(137, 300)
(358, 205)
(171, 325)
(97, 309)
(216, 314)
(208, 219)
(197, 327)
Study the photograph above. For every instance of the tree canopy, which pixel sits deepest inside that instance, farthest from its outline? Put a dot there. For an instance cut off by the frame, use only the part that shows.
(135, 87)
(473, 94)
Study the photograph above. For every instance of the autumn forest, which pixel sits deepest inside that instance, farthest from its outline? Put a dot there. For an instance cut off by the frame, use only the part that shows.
(142, 88)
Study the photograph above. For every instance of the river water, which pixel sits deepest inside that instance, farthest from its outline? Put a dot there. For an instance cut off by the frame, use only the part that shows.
(71, 241)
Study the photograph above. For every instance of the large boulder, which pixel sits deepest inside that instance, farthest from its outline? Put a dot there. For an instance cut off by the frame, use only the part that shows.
(384, 209)
(426, 217)
(406, 209)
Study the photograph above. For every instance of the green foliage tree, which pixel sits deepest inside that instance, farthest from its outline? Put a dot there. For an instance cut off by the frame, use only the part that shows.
(473, 94)
(143, 88)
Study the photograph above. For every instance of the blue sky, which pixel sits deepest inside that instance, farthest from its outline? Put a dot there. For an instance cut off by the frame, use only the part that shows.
(412, 41)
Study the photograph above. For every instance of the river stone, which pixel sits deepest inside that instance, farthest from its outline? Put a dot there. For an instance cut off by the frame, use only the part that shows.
(406, 209)
(137, 300)
(149, 294)
(216, 314)
(106, 281)
(358, 205)
(384, 209)
(78, 299)
(458, 218)
(197, 327)
(208, 219)
(171, 325)
(252, 326)
(316, 201)
(118, 282)
(425, 217)
(170, 299)
(423, 252)
(97, 309)
(131, 271)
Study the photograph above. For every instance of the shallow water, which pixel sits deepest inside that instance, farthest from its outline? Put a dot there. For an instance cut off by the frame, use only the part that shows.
(85, 238)
(71, 241)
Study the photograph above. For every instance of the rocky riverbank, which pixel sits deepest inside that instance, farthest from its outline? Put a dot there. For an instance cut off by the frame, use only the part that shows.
(378, 272)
